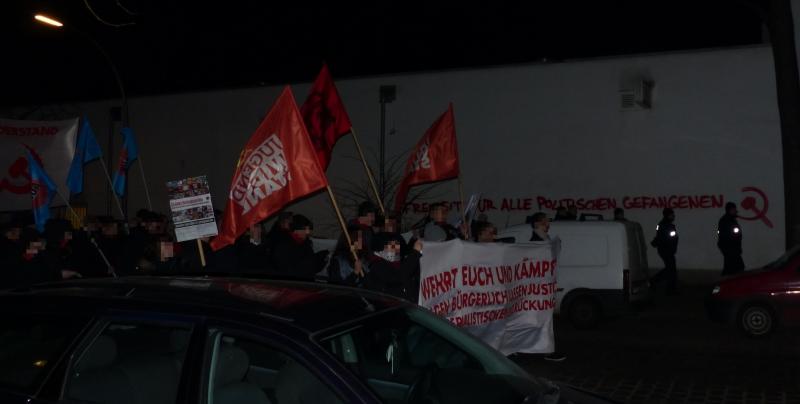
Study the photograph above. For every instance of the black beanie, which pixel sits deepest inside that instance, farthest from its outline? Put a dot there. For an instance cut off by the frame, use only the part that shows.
(300, 222)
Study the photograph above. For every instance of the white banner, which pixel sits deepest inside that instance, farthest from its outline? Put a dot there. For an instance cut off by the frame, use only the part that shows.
(52, 142)
(192, 211)
(502, 293)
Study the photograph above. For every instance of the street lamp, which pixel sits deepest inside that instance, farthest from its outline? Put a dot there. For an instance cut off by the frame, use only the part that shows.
(50, 21)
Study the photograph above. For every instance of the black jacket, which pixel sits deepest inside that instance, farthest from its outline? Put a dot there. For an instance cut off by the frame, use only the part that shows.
(397, 279)
(666, 240)
(297, 260)
(730, 235)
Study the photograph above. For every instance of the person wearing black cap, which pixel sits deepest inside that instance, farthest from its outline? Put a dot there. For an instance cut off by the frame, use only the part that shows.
(295, 257)
(666, 242)
(729, 241)
(389, 272)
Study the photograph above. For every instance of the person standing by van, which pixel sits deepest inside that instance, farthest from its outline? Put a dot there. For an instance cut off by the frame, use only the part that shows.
(666, 242)
(729, 241)
(541, 232)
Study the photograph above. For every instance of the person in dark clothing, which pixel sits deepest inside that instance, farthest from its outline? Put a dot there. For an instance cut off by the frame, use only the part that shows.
(729, 241)
(666, 243)
(390, 273)
(344, 269)
(367, 213)
(437, 228)
(279, 233)
(251, 251)
(111, 242)
(296, 257)
(619, 215)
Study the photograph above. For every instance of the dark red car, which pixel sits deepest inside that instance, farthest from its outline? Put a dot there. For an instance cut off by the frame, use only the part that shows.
(759, 300)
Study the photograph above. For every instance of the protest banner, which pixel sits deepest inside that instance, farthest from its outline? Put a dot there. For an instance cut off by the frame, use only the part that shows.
(51, 143)
(192, 210)
(503, 294)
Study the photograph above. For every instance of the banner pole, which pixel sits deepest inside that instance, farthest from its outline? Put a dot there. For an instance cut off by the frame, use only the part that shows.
(202, 253)
(342, 223)
(144, 180)
(91, 239)
(111, 184)
(369, 172)
(463, 208)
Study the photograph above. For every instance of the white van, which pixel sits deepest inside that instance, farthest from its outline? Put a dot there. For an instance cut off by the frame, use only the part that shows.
(602, 267)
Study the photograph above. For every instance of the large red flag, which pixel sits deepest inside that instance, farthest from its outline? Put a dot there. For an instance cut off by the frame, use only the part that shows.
(435, 158)
(277, 166)
(325, 116)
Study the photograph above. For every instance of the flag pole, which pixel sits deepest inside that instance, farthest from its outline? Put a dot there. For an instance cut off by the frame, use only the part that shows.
(369, 172)
(463, 208)
(91, 239)
(111, 184)
(342, 223)
(202, 253)
(144, 180)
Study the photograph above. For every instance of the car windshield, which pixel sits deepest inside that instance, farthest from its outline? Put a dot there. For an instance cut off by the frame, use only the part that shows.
(409, 355)
(784, 259)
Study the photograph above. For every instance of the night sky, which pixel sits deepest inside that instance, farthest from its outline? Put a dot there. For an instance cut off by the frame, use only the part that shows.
(182, 45)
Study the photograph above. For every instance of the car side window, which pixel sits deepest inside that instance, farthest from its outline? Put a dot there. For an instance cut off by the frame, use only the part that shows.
(130, 363)
(245, 371)
(31, 345)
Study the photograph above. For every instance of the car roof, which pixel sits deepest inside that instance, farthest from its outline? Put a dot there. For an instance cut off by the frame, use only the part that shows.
(312, 306)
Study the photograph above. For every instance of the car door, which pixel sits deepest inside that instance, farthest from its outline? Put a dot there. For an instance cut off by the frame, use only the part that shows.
(135, 358)
(249, 365)
(33, 344)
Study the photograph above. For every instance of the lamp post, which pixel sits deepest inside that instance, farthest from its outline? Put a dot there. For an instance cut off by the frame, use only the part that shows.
(50, 21)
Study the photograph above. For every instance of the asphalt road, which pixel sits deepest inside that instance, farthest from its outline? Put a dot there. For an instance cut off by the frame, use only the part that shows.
(669, 352)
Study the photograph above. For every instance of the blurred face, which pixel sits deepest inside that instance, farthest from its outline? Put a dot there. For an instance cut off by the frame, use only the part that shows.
(390, 226)
(487, 235)
(303, 233)
(285, 223)
(13, 233)
(733, 211)
(255, 232)
(543, 225)
(154, 227)
(110, 229)
(392, 246)
(439, 214)
(368, 219)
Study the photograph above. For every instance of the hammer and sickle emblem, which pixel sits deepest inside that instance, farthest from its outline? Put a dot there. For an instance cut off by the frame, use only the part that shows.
(758, 204)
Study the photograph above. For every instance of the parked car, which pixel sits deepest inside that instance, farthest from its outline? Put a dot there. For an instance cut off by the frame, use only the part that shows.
(602, 267)
(206, 340)
(758, 301)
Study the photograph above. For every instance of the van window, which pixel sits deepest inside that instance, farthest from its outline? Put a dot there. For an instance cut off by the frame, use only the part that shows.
(583, 250)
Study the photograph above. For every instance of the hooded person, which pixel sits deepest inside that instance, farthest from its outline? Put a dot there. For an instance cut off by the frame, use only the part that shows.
(391, 273)
(295, 256)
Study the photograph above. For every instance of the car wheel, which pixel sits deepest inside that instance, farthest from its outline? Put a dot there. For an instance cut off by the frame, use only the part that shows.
(584, 312)
(757, 320)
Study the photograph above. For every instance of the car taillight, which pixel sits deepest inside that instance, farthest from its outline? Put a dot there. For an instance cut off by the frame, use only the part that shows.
(626, 284)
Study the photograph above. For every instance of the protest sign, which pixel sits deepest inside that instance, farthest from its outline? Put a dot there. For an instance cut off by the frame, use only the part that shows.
(504, 294)
(192, 211)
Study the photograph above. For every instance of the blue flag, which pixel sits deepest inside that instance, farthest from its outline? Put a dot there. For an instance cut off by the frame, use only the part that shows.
(42, 192)
(129, 154)
(86, 150)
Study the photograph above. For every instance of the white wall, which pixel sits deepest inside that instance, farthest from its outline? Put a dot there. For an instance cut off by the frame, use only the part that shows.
(552, 130)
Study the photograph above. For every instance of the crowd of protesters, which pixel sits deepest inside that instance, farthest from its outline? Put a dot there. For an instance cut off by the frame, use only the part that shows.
(376, 257)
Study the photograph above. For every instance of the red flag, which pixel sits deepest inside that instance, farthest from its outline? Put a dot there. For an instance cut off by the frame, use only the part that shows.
(435, 158)
(325, 116)
(277, 166)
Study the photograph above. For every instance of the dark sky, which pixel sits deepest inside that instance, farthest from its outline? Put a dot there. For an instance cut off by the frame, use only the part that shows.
(184, 45)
